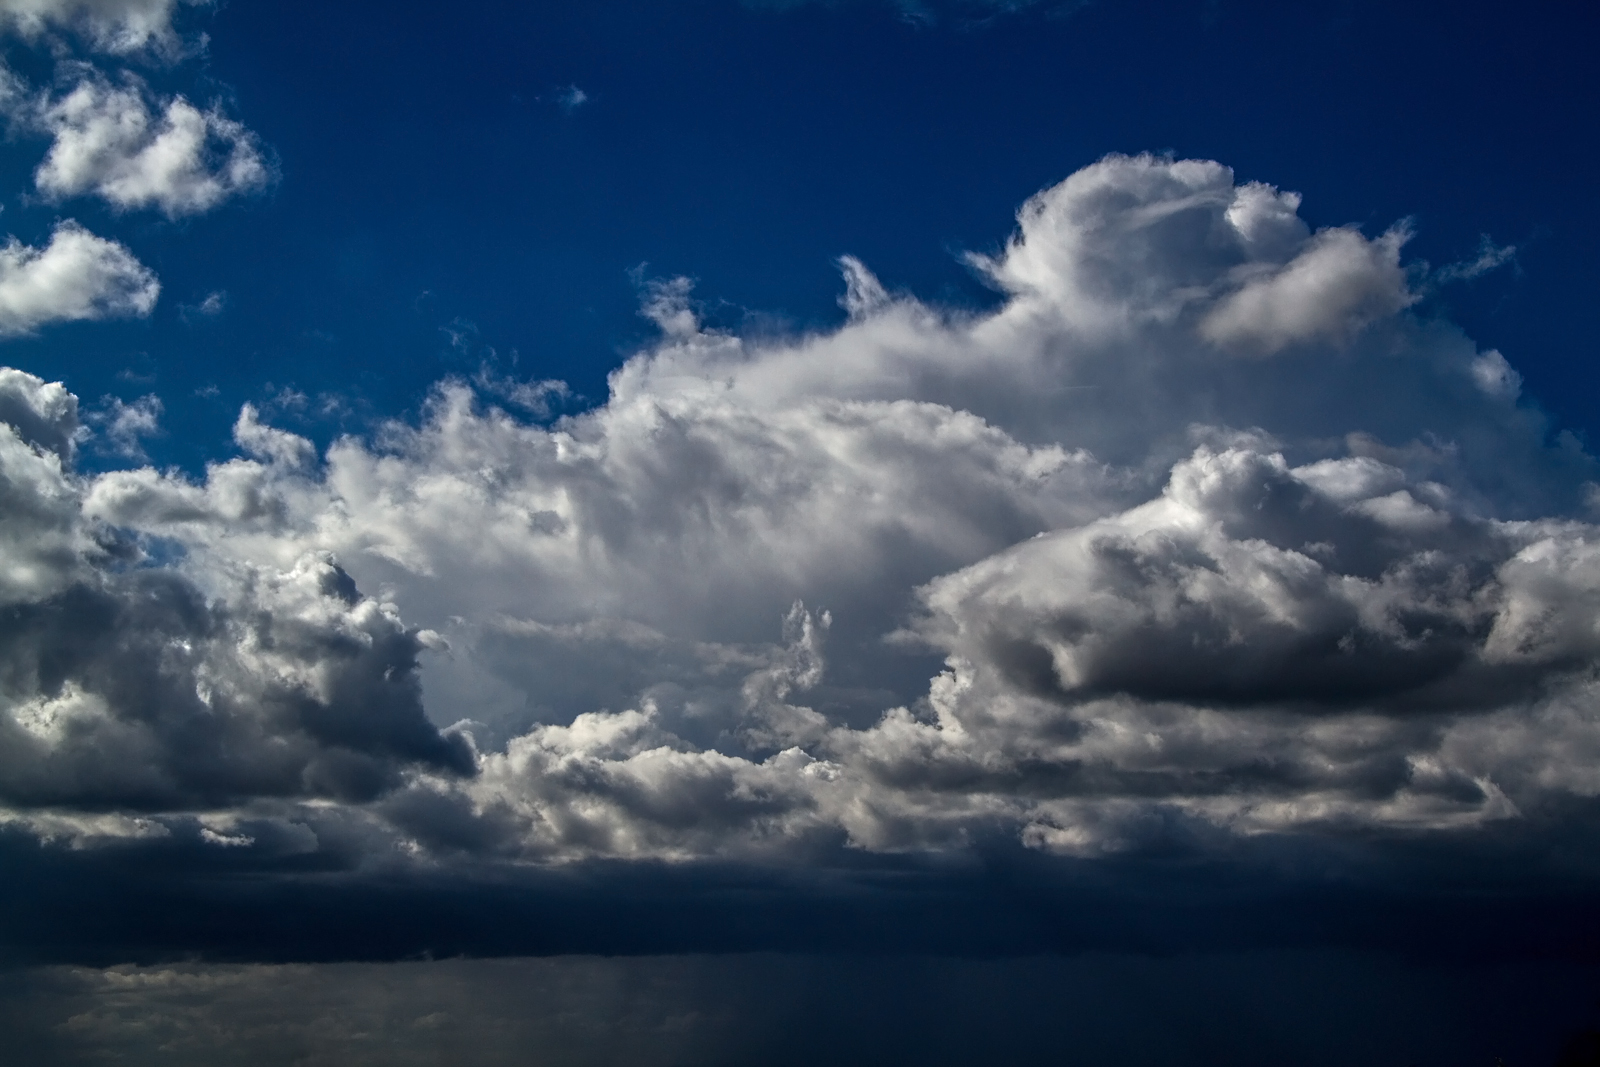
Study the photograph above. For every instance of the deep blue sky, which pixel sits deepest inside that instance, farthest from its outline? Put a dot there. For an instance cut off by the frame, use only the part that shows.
(431, 180)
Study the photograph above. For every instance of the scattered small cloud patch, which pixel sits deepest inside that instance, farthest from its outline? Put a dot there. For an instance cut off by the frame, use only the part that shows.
(123, 425)
(207, 307)
(570, 98)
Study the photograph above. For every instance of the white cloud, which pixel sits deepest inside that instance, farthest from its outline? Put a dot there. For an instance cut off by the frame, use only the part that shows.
(133, 151)
(1337, 284)
(116, 26)
(132, 688)
(76, 276)
(1495, 376)
(44, 414)
(1330, 586)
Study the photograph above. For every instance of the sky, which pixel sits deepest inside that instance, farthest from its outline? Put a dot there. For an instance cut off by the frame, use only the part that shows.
(701, 531)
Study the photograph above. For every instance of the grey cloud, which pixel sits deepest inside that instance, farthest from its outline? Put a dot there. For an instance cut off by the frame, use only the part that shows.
(135, 693)
(127, 687)
(44, 541)
(1249, 582)
(42, 413)
(1210, 531)
(1265, 646)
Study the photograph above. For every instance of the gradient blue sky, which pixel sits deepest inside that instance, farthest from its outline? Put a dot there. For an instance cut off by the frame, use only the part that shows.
(432, 182)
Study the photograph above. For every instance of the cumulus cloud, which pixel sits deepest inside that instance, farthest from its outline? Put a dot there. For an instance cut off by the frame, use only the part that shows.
(129, 686)
(1200, 524)
(76, 276)
(42, 413)
(1338, 283)
(116, 26)
(135, 151)
(1271, 646)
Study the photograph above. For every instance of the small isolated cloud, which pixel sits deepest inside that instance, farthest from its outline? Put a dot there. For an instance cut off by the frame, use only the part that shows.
(209, 307)
(571, 98)
(133, 150)
(1490, 257)
(76, 276)
(114, 26)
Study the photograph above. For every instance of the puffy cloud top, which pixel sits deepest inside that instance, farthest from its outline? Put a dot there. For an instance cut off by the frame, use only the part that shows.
(129, 686)
(135, 153)
(76, 276)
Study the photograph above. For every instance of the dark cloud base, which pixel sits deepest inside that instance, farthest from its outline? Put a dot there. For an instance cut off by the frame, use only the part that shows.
(1516, 898)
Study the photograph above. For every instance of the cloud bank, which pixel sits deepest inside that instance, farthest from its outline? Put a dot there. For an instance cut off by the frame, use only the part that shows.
(1203, 527)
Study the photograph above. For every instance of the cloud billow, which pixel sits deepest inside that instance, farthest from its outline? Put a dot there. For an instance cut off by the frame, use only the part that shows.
(77, 276)
(134, 151)
(1205, 525)
(130, 690)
